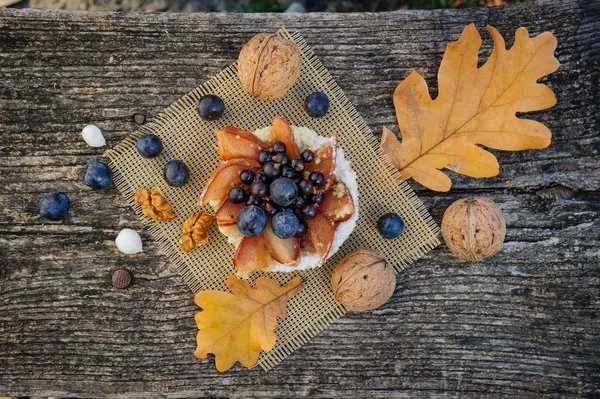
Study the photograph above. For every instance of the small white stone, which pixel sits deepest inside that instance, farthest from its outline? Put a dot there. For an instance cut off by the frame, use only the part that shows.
(93, 136)
(129, 241)
(296, 7)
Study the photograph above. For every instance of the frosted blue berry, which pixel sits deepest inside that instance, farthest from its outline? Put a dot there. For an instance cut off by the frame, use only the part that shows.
(176, 173)
(390, 225)
(97, 175)
(149, 146)
(210, 107)
(285, 224)
(251, 221)
(54, 205)
(316, 104)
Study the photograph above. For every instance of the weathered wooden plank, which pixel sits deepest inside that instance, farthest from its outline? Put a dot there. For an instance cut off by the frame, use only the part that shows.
(524, 323)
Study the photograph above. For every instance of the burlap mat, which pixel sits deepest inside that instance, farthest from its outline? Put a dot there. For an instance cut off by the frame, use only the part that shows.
(188, 138)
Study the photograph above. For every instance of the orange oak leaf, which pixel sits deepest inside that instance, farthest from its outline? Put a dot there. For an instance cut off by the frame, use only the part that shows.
(474, 106)
(235, 327)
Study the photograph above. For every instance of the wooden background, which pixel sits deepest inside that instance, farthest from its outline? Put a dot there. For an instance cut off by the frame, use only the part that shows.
(521, 324)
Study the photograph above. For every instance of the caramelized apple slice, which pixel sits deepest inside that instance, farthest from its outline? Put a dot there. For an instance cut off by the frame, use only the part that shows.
(245, 135)
(227, 213)
(225, 176)
(251, 255)
(338, 205)
(325, 161)
(283, 132)
(283, 251)
(320, 232)
(236, 143)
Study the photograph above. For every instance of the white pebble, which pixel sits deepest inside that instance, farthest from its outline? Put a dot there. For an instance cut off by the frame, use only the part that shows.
(93, 136)
(129, 241)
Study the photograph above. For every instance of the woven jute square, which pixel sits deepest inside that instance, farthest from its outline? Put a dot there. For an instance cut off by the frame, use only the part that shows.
(192, 140)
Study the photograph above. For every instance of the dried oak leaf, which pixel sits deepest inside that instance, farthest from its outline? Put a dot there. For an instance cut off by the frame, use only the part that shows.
(474, 106)
(235, 327)
(194, 231)
(154, 205)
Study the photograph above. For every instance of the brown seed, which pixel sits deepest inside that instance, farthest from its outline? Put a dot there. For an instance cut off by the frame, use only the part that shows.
(139, 118)
(121, 278)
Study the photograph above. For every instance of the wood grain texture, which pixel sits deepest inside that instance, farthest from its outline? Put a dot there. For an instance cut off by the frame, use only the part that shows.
(521, 324)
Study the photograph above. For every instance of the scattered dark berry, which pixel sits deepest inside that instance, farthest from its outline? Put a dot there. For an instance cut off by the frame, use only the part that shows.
(281, 158)
(271, 170)
(251, 221)
(176, 173)
(302, 229)
(308, 156)
(259, 189)
(306, 187)
(285, 224)
(297, 164)
(279, 147)
(210, 107)
(264, 157)
(252, 200)
(316, 178)
(237, 195)
(149, 146)
(54, 205)
(317, 198)
(308, 211)
(390, 225)
(97, 175)
(260, 176)
(288, 171)
(300, 201)
(316, 104)
(247, 176)
(271, 208)
(283, 191)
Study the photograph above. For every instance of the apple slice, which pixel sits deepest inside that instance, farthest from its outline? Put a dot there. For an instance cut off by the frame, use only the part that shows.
(251, 255)
(225, 176)
(236, 143)
(284, 251)
(324, 161)
(320, 232)
(245, 135)
(283, 132)
(338, 205)
(227, 213)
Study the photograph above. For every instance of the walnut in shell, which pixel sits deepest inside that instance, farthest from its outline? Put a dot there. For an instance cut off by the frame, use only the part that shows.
(268, 66)
(473, 228)
(363, 280)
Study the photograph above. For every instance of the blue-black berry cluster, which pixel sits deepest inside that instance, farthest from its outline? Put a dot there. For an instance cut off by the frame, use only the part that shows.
(281, 190)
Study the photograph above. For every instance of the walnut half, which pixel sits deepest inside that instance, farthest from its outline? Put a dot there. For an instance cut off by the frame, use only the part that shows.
(154, 205)
(194, 231)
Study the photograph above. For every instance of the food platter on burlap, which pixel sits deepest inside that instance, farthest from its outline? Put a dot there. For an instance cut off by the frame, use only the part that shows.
(189, 138)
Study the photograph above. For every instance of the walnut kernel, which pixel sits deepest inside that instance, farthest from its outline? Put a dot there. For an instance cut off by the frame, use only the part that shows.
(268, 66)
(363, 280)
(194, 231)
(154, 205)
(473, 228)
